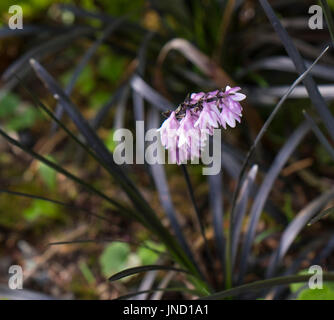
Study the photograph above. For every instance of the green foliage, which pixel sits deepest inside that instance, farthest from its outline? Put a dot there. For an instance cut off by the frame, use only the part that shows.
(86, 81)
(114, 258)
(111, 67)
(305, 293)
(29, 7)
(326, 293)
(287, 207)
(331, 4)
(322, 155)
(294, 287)
(148, 256)
(47, 174)
(115, 7)
(87, 273)
(118, 256)
(132, 8)
(110, 142)
(9, 104)
(39, 209)
(258, 79)
(17, 115)
(201, 22)
(98, 98)
(11, 216)
(264, 234)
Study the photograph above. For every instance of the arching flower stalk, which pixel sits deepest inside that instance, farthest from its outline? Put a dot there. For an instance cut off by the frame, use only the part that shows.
(185, 132)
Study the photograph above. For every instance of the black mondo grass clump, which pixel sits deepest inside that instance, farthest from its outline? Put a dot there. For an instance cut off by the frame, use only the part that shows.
(225, 264)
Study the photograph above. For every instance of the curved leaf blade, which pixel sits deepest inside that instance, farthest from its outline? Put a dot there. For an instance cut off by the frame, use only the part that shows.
(264, 284)
(140, 269)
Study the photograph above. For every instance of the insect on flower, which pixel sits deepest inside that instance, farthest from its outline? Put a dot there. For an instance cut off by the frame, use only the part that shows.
(185, 131)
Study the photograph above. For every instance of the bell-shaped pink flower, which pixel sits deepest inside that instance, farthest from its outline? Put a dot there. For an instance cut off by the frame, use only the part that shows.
(186, 139)
(234, 94)
(173, 151)
(195, 97)
(227, 116)
(168, 131)
(230, 106)
(212, 94)
(209, 118)
(189, 135)
(191, 138)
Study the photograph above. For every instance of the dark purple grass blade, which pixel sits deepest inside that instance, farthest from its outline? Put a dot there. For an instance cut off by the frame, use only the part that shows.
(143, 213)
(321, 215)
(295, 266)
(285, 64)
(64, 172)
(230, 164)
(84, 147)
(92, 139)
(264, 284)
(97, 145)
(313, 91)
(147, 283)
(138, 100)
(263, 193)
(217, 211)
(259, 137)
(27, 30)
(50, 114)
(297, 262)
(323, 140)
(136, 270)
(240, 210)
(160, 180)
(81, 65)
(57, 202)
(266, 126)
(159, 177)
(294, 228)
(209, 257)
(142, 53)
(158, 101)
(148, 216)
(140, 91)
(83, 241)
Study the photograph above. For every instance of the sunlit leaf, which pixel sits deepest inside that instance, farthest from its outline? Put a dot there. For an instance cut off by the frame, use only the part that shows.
(114, 258)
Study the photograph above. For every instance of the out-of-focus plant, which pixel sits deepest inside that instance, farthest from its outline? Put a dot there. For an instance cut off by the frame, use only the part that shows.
(191, 51)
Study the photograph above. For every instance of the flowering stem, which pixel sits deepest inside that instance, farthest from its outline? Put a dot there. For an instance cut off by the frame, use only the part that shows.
(228, 258)
(180, 111)
(191, 193)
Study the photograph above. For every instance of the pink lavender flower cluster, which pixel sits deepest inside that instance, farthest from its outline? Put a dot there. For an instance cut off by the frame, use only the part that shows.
(185, 132)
